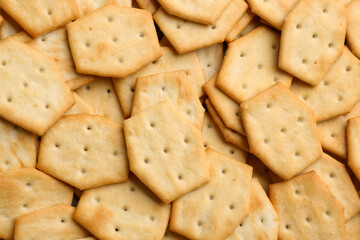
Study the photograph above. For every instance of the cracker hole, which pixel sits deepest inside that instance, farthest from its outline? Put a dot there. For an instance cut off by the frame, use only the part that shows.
(132, 89)
(25, 205)
(232, 151)
(43, 39)
(287, 226)
(283, 130)
(97, 199)
(154, 62)
(315, 62)
(110, 19)
(125, 209)
(327, 212)
(3, 63)
(57, 145)
(273, 47)
(152, 125)
(307, 219)
(152, 218)
(340, 98)
(28, 184)
(237, 114)
(325, 83)
(87, 44)
(348, 68)
(315, 35)
(333, 135)
(49, 12)
(180, 177)
(297, 154)
(47, 106)
(330, 45)
(132, 189)
(82, 171)
(243, 86)
(9, 99)
(120, 60)
(88, 128)
(146, 161)
(211, 197)
(231, 207)
(114, 39)
(25, 84)
(186, 140)
(242, 54)
(223, 171)
(304, 61)
(262, 220)
(266, 141)
(209, 126)
(41, 69)
(178, 26)
(259, 66)
(331, 175)
(205, 145)
(199, 223)
(6, 162)
(300, 119)
(85, 149)
(324, 10)
(213, 27)
(241, 224)
(275, 79)
(115, 153)
(268, 105)
(163, 88)
(165, 150)
(297, 192)
(117, 229)
(142, 35)
(62, 220)
(188, 112)
(87, 87)
(208, 65)
(298, 26)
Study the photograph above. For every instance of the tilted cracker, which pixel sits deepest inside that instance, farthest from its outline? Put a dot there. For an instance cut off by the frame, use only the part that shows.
(186, 36)
(210, 59)
(260, 171)
(262, 221)
(17, 147)
(50, 223)
(161, 146)
(213, 138)
(307, 209)
(353, 26)
(230, 135)
(80, 106)
(55, 45)
(336, 177)
(228, 109)
(241, 24)
(170, 61)
(281, 131)
(273, 12)
(169, 235)
(308, 50)
(332, 132)
(108, 41)
(87, 6)
(22, 37)
(172, 86)
(205, 12)
(353, 143)
(101, 96)
(34, 94)
(126, 210)
(9, 27)
(27, 190)
(352, 228)
(214, 210)
(337, 93)
(250, 65)
(39, 17)
(151, 5)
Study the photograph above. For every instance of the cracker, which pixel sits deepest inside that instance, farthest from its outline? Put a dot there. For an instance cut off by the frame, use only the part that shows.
(230, 135)
(170, 61)
(228, 109)
(281, 131)
(88, 238)
(273, 12)
(210, 59)
(55, 45)
(353, 143)
(27, 190)
(136, 212)
(33, 91)
(307, 209)
(240, 26)
(205, 12)
(151, 5)
(335, 176)
(201, 214)
(161, 146)
(79, 107)
(337, 93)
(353, 26)
(250, 65)
(262, 221)
(108, 41)
(213, 138)
(39, 17)
(308, 50)
(332, 132)
(48, 223)
(186, 36)
(172, 86)
(169, 235)
(101, 96)
(260, 172)
(22, 37)
(87, 6)
(352, 228)
(17, 147)
(255, 23)
(84, 151)
(9, 27)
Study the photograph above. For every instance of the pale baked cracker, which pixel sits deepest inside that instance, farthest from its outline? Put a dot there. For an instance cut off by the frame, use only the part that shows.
(353, 26)
(353, 143)
(50, 223)
(250, 65)
(213, 211)
(230, 135)
(172, 86)
(34, 94)
(210, 59)
(213, 138)
(161, 146)
(245, 19)
(186, 36)
(101, 96)
(307, 209)
(272, 11)
(169, 235)
(260, 171)
(108, 41)
(151, 5)
(17, 147)
(281, 131)
(22, 37)
(262, 221)
(87, 6)
(205, 12)
(352, 228)
(335, 176)
(55, 45)
(228, 109)
(84, 151)
(332, 132)
(170, 61)
(27, 190)
(80, 106)
(126, 210)
(337, 93)
(39, 17)
(308, 50)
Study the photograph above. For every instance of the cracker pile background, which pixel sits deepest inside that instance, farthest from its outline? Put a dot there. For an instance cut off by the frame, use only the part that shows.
(180, 119)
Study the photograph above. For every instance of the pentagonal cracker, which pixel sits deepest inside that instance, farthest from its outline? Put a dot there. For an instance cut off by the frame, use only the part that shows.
(32, 89)
(136, 212)
(108, 41)
(353, 26)
(281, 131)
(353, 143)
(84, 151)
(162, 146)
(201, 214)
(308, 50)
(250, 65)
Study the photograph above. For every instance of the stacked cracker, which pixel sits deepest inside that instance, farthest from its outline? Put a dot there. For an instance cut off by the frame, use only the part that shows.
(109, 133)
